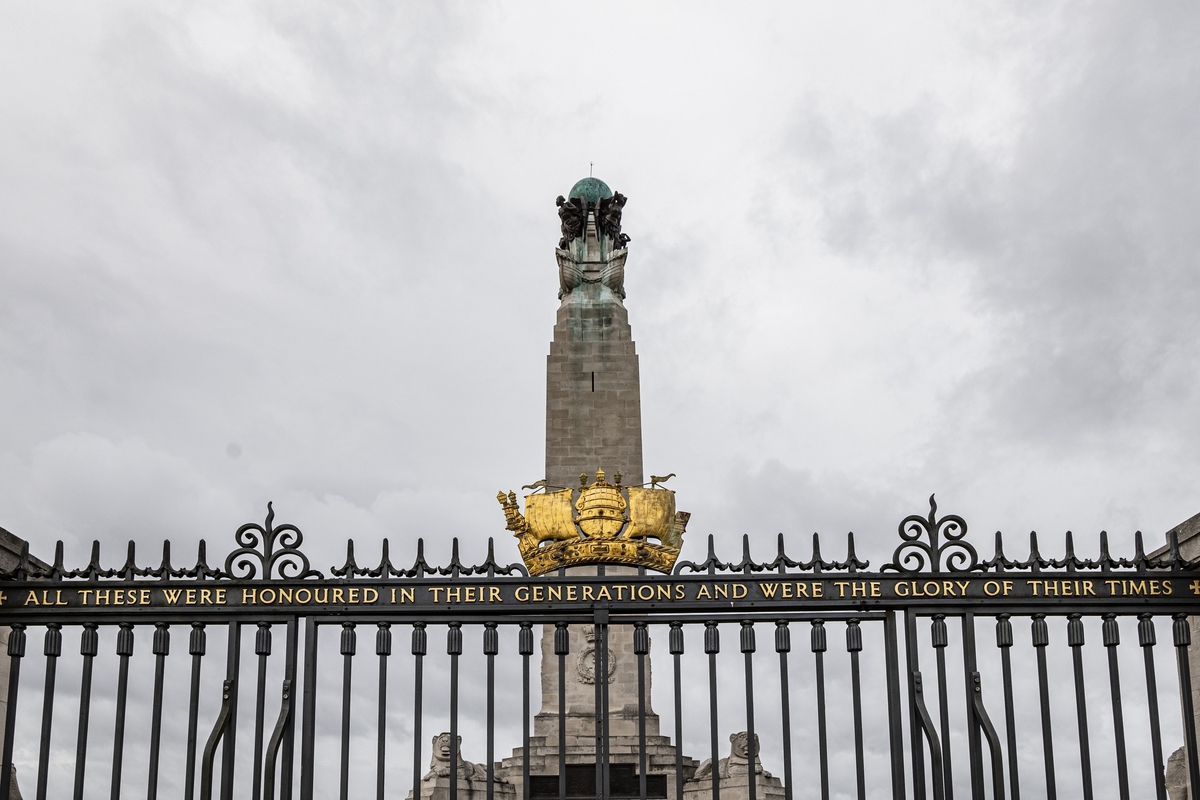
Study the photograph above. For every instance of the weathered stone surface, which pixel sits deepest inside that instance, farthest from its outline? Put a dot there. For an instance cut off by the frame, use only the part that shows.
(734, 775)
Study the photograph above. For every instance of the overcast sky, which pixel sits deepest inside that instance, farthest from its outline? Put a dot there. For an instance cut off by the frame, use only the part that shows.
(304, 253)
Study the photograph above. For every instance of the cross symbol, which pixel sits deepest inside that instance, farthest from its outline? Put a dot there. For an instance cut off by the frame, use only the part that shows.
(590, 165)
(3, 597)
(1195, 587)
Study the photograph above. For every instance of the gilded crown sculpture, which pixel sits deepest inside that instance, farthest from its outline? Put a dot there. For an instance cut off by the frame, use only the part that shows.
(607, 524)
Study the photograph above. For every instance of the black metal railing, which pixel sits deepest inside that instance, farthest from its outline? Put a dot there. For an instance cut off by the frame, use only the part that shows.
(859, 704)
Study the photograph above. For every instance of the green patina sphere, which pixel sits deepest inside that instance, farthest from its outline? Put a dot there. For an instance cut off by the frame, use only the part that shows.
(590, 190)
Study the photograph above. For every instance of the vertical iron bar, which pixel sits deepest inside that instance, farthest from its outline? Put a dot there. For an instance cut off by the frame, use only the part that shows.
(913, 661)
(676, 647)
(1004, 640)
(349, 645)
(197, 645)
(229, 751)
(16, 652)
(491, 646)
(383, 649)
(420, 643)
(1112, 638)
(525, 648)
(124, 651)
(605, 785)
(1075, 640)
(974, 724)
(52, 650)
(641, 646)
(1041, 638)
(161, 648)
(262, 649)
(854, 647)
(748, 646)
(712, 646)
(598, 709)
(819, 645)
(941, 639)
(1147, 640)
(562, 646)
(89, 645)
(1182, 635)
(783, 645)
(454, 650)
(308, 744)
(289, 734)
(895, 714)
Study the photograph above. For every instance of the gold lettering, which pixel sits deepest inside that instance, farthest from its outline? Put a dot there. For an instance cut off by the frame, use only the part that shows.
(664, 592)
(470, 594)
(901, 589)
(453, 595)
(32, 598)
(768, 589)
(739, 591)
(102, 597)
(722, 590)
(703, 592)
(317, 598)
(436, 590)
(801, 589)
(206, 597)
(963, 585)
(537, 594)
(1137, 588)
(521, 594)
(267, 596)
(876, 589)
(642, 596)
(621, 592)
(493, 594)
(680, 592)
(789, 590)
(285, 595)
(1035, 586)
(189, 597)
(603, 594)
(307, 597)
(85, 593)
(118, 597)
(408, 595)
(571, 592)
(1089, 588)
(587, 593)
(948, 588)
(221, 596)
(58, 601)
(1166, 587)
(818, 589)
(338, 595)
(554, 593)
(249, 596)
(841, 587)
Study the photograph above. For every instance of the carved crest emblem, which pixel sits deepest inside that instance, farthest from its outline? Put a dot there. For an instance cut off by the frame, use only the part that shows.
(607, 524)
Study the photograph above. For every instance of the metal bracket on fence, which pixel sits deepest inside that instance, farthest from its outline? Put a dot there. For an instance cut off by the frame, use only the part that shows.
(935, 746)
(993, 739)
(210, 749)
(285, 713)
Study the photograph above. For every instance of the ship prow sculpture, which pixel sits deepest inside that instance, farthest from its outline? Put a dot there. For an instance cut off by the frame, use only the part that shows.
(607, 524)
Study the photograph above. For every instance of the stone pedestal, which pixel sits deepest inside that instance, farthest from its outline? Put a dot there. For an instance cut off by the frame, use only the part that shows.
(733, 775)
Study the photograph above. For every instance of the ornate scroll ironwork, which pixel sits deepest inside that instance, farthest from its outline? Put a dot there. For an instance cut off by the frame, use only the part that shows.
(275, 551)
(932, 544)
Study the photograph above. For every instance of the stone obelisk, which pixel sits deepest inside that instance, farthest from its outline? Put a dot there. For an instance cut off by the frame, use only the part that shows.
(593, 422)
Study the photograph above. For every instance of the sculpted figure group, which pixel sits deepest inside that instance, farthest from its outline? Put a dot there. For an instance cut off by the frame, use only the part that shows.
(572, 215)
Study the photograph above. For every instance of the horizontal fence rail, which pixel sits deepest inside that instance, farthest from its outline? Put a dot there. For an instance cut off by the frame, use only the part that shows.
(940, 674)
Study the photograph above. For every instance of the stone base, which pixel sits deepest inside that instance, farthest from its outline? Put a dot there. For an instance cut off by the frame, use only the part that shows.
(736, 787)
(468, 789)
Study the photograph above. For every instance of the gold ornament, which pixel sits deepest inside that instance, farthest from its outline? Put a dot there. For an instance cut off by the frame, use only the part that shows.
(611, 524)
